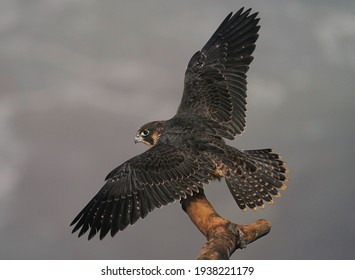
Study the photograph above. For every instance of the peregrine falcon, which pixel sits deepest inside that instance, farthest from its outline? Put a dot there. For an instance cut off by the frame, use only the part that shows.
(189, 150)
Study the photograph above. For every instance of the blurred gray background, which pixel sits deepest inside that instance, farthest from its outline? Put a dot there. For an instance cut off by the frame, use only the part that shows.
(77, 78)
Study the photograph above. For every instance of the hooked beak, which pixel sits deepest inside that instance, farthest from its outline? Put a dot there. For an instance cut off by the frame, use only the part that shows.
(137, 139)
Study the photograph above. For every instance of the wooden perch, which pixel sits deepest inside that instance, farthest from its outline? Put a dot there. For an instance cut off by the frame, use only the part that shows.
(223, 236)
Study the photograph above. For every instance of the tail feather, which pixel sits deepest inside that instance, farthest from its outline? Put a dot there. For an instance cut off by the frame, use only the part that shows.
(237, 193)
(250, 188)
(269, 159)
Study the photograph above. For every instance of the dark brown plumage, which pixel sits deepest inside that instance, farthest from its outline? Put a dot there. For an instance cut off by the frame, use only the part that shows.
(188, 150)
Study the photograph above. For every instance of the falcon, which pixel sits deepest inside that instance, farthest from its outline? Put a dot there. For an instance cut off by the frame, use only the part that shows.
(189, 150)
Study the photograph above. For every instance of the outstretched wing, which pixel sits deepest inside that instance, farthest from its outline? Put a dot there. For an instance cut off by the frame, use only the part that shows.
(215, 78)
(150, 180)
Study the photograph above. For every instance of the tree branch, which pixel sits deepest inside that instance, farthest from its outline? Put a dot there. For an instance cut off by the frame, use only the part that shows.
(223, 236)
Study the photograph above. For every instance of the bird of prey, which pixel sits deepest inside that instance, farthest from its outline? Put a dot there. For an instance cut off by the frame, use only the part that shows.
(189, 150)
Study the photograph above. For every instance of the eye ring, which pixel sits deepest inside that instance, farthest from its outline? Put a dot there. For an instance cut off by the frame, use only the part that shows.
(145, 132)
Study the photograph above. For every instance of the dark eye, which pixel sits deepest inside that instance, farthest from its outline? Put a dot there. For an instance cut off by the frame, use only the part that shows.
(145, 132)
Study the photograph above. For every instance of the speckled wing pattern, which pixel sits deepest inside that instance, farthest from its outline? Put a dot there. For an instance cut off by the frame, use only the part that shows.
(215, 78)
(150, 180)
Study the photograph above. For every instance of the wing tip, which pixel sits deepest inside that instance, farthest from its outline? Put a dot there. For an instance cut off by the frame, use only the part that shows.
(245, 12)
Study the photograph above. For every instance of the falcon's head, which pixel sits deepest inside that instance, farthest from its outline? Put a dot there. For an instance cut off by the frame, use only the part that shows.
(149, 133)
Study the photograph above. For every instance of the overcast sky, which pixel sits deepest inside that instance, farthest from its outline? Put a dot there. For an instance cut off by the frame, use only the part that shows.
(77, 78)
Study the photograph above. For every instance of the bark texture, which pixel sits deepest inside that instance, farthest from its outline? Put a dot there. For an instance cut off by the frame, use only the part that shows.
(223, 236)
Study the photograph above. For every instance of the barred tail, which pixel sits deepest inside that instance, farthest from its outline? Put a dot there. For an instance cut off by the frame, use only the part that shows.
(261, 175)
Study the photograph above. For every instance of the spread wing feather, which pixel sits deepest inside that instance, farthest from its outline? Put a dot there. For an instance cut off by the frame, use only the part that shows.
(215, 78)
(150, 180)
